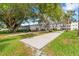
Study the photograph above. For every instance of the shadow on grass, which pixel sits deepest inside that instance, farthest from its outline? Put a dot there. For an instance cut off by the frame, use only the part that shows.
(7, 40)
(3, 46)
(16, 38)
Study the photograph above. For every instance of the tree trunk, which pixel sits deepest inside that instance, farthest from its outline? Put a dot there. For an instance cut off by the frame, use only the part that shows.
(67, 26)
(12, 30)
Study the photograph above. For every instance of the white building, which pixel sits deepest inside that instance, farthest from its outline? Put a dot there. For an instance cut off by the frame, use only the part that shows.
(74, 26)
(71, 26)
(52, 25)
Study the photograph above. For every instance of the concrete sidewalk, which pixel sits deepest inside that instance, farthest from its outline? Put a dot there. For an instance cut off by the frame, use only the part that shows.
(39, 42)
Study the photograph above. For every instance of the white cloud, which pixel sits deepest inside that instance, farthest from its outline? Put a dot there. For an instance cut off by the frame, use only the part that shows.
(71, 6)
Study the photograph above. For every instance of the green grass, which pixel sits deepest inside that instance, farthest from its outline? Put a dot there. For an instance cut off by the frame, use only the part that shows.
(5, 32)
(66, 44)
(8, 32)
(11, 46)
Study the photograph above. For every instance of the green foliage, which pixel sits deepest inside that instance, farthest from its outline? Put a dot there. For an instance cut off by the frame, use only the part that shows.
(13, 15)
(52, 10)
(67, 17)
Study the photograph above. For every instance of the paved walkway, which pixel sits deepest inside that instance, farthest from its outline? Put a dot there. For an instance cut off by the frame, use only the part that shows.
(39, 42)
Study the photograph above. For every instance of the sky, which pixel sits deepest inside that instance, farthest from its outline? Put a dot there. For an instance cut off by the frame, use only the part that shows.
(71, 6)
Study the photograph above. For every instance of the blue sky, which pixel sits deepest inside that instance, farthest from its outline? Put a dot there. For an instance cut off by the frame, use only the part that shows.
(71, 6)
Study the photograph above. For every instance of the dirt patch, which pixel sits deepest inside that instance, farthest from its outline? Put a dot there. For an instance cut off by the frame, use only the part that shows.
(2, 36)
(67, 41)
(21, 51)
(76, 41)
(70, 41)
(26, 51)
(49, 52)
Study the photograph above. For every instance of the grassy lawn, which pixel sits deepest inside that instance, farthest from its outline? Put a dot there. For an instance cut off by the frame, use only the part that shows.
(11, 46)
(66, 44)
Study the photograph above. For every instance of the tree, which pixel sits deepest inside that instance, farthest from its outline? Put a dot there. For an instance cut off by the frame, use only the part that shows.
(67, 18)
(13, 15)
(53, 11)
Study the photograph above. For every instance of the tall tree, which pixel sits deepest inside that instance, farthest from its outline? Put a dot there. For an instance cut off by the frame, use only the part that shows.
(68, 18)
(53, 11)
(13, 15)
